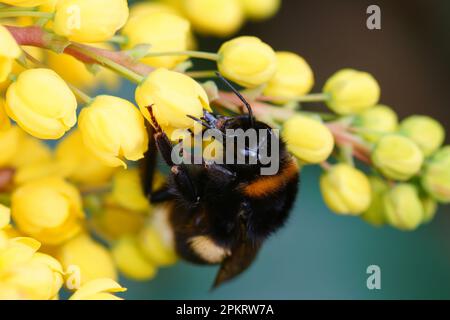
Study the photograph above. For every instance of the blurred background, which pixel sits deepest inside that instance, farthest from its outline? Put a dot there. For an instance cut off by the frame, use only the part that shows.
(319, 254)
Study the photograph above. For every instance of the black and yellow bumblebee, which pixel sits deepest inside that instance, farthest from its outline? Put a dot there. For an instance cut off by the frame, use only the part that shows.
(221, 213)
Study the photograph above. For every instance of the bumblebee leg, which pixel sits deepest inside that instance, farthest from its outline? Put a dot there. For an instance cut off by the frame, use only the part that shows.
(184, 182)
(161, 195)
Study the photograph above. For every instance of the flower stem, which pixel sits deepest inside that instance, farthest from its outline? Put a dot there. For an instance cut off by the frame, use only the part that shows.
(201, 74)
(119, 39)
(192, 54)
(80, 94)
(312, 97)
(110, 64)
(18, 13)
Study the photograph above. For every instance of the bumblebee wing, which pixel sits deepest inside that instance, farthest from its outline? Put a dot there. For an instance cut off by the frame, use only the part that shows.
(240, 259)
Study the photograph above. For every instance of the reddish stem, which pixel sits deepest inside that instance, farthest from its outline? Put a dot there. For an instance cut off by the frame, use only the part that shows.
(37, 37)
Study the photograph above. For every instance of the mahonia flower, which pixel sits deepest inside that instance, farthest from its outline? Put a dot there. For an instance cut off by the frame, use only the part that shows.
(376, 122)
(131, 261)
(5, 216)
(42, 104)
(76, 73)
(426, 132)
(397, 157)
(351, 91)
(98, 289)
(4, 120)
(169, 109)
(112, 221)
(32, 160)
(156, 241)
(436, 176)
(26, 273)
(48, 209)
(9, 144)
(30, 151)
(214, 17)
(113, 129)
(79, 164)
(345, 190)
(430, 207)
(93, 260)
(260, 9)
(147, 8)
(25, 3)
(89, 21)
(127, 191)
(247, 61)
(9, 50)
(292, 79)
(375, 213)
(308, 139)
(163, 31)
(402, 207)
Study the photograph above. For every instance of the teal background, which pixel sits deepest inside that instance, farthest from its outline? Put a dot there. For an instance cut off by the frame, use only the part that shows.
(320, 254)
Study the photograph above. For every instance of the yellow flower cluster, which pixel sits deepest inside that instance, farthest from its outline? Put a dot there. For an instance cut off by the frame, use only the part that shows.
(88, 183)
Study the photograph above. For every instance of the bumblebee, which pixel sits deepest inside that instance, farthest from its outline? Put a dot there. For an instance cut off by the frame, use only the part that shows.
(221, 213)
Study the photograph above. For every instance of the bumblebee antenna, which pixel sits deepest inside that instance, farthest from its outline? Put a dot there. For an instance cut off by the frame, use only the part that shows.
(239, 95)
(200, 121)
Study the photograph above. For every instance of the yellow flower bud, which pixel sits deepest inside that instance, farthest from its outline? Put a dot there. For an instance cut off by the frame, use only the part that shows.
(397, 157)
(157, 246)
(308, 139)
(36, 171)
(48, 5)
(436, 178)
(79, 164)
(376, 121)
(9, 144)
(147, 8)
(114, 221)
(89, 21)
(5, 216)
(164, 32)
(71, 70)
(98, 289)
(42, 104)
(30, 151)
(430, 207)
(93, 260)
(127, 191)
(171, 109)
(375, 213)
(292, 79)
(113, 129)
(247, 61)
(47, 209)
(4, 120)
(351, 91)
(345, 190)
(260, 9)
(131, 261)
(426, 132)
(25, 3)
(403, 208)
(9, 50)
(215, 17)
(27, 274)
